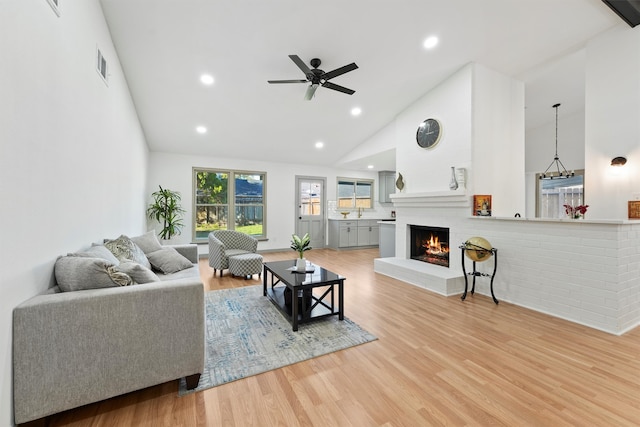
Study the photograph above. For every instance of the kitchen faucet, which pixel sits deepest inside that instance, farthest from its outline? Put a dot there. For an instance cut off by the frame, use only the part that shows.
(359, 212)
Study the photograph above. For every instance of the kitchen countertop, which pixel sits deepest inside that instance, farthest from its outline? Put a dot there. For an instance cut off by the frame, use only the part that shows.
(361, 219)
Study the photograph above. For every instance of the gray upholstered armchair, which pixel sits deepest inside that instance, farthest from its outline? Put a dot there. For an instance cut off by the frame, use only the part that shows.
(226, 243)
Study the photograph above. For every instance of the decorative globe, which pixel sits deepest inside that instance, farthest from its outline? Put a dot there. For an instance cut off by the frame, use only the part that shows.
(478, 249)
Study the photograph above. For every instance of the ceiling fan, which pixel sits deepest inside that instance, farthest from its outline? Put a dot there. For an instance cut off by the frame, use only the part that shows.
(318, 77)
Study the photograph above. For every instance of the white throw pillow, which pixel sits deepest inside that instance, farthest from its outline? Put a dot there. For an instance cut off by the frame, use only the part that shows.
(138, 272)
(148, 242)
(168, 260)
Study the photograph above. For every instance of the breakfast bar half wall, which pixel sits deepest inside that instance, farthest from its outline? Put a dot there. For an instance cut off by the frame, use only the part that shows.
(584, 271)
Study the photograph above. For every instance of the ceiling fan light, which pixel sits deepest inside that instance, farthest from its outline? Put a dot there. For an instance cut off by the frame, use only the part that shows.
(318, 77)
(311, 90)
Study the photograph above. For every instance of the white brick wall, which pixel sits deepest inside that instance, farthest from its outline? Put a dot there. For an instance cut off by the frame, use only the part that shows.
(583, 271)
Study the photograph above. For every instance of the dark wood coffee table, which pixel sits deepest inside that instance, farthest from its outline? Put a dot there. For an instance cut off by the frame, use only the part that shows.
(305, 305)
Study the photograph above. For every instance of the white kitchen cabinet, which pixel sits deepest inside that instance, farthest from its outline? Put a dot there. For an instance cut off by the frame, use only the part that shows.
(387, 239)
(368, 232)
(343, 234)
(353, 233)
(386, 185)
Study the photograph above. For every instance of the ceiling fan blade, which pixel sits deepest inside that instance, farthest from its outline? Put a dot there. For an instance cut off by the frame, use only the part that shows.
(339, 88)
(287, 81)
(311, 90)
(339, 71)
(300, 64)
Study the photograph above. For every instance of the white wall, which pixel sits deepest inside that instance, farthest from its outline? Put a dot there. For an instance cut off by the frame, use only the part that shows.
(612, 125)
(427, 170)
(540, 145)
(498, 140)
(482, 117)
(174, 171)
(380, 142)
(73, 157)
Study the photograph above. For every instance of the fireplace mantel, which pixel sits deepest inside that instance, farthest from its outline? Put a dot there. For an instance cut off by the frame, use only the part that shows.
(432, 199)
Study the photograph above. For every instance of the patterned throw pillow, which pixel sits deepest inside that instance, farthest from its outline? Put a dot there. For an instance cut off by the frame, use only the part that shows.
(124, 249)
(76, 273)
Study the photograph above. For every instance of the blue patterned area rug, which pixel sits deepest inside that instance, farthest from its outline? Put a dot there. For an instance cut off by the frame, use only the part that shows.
(246, 334)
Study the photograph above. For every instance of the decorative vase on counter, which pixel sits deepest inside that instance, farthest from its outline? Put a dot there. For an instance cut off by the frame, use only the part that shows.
(453, 184)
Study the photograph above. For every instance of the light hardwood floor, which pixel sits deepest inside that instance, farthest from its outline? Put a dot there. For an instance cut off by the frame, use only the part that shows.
(438, 361)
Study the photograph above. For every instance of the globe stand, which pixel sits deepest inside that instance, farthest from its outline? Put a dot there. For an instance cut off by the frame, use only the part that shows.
(475, 273)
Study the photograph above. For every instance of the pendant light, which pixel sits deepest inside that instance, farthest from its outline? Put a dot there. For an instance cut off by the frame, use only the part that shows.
(559, 173)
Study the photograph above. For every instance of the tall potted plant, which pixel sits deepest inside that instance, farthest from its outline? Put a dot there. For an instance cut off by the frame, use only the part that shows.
(301, 245)
(167, 211)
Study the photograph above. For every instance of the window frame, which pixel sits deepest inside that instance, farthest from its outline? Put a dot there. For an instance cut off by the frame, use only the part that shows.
(354, 198)
(538, 213)
(231, 204)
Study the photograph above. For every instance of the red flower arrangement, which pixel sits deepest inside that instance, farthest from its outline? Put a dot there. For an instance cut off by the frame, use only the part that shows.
(575, 212)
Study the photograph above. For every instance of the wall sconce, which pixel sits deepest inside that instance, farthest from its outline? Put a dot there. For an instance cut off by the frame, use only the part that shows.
(618, 161)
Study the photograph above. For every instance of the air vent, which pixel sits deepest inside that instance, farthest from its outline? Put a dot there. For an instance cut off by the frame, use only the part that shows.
(54, 5)
(102, 66)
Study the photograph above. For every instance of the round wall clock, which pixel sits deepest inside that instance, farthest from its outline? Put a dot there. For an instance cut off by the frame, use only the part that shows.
(428, 133)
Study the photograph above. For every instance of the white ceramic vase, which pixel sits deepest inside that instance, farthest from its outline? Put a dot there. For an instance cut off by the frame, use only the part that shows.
(301, 264)
(453, 184)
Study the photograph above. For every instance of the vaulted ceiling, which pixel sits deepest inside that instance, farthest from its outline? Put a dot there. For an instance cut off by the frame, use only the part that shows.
(164, 47)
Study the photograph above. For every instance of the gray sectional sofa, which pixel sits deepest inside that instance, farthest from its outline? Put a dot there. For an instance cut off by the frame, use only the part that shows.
(76, 346)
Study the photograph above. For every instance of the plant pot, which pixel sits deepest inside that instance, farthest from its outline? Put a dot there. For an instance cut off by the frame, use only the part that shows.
(301, 264)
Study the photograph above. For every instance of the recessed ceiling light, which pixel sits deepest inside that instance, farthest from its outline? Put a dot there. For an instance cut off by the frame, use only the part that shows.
(430, 42)
(207, 79)
(370, 167)
(356, 111)
(319, 144)
(201, 129)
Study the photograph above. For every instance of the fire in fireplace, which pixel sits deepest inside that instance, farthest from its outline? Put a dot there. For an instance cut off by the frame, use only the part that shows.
(430, 244)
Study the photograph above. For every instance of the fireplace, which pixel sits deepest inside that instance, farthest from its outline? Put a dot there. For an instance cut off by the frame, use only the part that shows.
(430, 244)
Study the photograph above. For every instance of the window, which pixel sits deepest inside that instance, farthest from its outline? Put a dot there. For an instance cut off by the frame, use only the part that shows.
(355, 193)
(553, 194)
(217, 193)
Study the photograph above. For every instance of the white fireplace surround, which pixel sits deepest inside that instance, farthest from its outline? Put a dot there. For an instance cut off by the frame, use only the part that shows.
(579, 270)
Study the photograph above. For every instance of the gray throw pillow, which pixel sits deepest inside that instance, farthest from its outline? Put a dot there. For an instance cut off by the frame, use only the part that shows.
(148, 242)
(124, 248)
(167, 260)
(75, 273)
(138, 272)
(98, 251)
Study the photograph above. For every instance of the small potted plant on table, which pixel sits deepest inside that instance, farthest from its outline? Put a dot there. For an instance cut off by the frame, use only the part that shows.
(301, 245)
